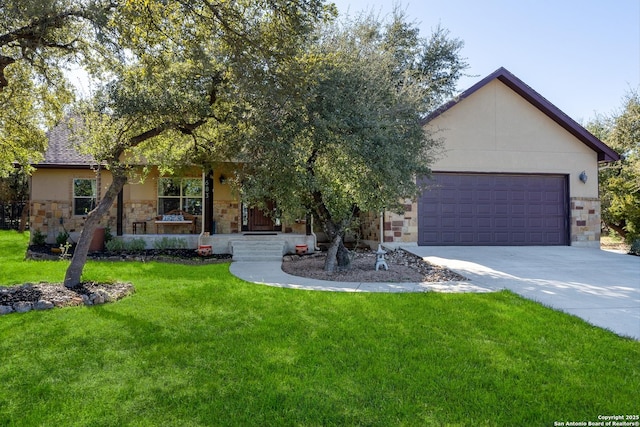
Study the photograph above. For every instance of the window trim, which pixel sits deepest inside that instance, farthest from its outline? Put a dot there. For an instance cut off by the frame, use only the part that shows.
(93, 198)
(182, 197)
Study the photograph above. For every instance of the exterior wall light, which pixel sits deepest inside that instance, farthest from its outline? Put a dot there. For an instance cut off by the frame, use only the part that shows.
(583, 177)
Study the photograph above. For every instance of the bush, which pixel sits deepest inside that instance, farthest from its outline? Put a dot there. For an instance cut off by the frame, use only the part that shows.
(107, 234)
(136, 245)
(38, 239)
(635, 248)
(61, 238)
(170, 243)
(114, 245)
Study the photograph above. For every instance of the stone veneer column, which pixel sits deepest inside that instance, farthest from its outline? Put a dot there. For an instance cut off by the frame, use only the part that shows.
(585, 222)
(400, 228)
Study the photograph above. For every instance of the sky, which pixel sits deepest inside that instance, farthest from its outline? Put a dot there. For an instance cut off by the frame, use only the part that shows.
(581, 55)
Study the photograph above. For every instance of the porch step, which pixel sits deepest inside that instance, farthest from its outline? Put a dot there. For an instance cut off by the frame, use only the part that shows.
(257, 250)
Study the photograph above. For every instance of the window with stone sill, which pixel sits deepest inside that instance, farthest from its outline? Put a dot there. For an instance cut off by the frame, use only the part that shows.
(84, 195)
(180, 194)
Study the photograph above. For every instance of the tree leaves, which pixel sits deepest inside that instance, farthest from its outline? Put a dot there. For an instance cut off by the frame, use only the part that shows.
(620, 180)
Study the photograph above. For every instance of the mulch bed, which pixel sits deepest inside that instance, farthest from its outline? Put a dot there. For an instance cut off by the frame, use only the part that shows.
(403, 267)
(44, 296)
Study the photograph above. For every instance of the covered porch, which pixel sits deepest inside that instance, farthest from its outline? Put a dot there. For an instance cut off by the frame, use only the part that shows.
(198, 209)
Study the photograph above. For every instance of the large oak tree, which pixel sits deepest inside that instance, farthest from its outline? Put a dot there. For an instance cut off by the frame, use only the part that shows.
(175, 96)
(342, 133)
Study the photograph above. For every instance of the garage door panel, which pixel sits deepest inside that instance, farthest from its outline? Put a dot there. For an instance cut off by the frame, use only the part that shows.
(499, 209)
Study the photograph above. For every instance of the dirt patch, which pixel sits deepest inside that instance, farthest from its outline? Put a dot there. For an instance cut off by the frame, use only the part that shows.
(403, 267)
(614, 244)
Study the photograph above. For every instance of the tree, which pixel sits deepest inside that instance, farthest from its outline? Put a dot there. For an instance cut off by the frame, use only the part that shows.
(344, 132)
(38, 40)
(620, 180)
(175, 95)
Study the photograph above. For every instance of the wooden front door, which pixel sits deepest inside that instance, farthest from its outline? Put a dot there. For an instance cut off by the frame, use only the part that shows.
(261, 220)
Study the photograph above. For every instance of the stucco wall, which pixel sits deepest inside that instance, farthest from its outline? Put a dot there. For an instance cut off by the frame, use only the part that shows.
(52, 201)
(496, 130)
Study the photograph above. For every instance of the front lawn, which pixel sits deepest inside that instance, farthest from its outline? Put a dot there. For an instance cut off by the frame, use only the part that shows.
(195, 346)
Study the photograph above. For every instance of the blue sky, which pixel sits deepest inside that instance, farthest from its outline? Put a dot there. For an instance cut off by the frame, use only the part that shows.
(582, 55)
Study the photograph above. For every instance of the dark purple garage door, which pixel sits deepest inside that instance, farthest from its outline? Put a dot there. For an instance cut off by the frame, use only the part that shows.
(493, 209)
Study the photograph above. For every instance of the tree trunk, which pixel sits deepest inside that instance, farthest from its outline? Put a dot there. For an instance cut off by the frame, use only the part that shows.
(331, 261)
(618, 229)
(79, 259)
(337, 255)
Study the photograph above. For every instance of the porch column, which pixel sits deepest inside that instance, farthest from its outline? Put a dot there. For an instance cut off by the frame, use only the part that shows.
(119, 213)
(208, 202)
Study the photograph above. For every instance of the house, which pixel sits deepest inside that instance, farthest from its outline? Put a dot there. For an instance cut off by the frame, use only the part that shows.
(515, 171)
(197, 207)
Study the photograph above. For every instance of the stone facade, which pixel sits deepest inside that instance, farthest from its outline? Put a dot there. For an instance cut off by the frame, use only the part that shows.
(397, 228)
(140, 211)
(402, 228)
(370, 227)
(52, 217)
(226, 214)
(585, 222)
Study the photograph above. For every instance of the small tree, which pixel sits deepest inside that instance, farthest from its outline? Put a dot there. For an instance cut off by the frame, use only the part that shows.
(344, 133)
(620, 180)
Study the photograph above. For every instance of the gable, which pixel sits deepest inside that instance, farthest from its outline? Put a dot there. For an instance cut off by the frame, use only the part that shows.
(496, 125)
(539, 105)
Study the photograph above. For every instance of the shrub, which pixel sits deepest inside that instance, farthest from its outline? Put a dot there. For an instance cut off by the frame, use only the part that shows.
(136, 245)
(114, 245)
(635, 248)
(61, 238)
(38, 239)
(107, 234)
(170, 243)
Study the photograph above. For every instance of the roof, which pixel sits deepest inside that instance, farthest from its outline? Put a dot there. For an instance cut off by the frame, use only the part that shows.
(605, 153)
(61, 151)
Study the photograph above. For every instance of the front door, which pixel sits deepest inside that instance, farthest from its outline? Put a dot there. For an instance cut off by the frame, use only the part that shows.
(256, 219)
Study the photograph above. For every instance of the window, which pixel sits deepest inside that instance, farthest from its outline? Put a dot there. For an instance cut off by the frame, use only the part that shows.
(84, 195)
(180, 193)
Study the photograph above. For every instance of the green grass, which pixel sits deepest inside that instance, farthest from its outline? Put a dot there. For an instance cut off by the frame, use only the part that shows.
(197, 347)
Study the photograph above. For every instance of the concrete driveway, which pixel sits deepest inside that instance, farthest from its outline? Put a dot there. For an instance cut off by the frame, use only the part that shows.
(601, 287)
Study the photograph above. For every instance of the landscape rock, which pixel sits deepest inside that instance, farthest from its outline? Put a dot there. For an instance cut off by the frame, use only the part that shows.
(43, 296)
(5, 309)
(22, 306)
(43, 305)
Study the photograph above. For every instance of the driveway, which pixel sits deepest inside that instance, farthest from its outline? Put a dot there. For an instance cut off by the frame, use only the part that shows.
(601, 287)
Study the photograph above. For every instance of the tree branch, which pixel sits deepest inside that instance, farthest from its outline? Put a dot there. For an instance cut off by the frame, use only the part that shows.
(5, 61)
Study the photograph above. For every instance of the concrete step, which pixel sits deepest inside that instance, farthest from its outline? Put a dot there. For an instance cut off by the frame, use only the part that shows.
(257, 250)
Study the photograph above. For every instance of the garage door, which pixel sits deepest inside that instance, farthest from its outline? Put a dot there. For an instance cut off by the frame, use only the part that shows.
(494, 209)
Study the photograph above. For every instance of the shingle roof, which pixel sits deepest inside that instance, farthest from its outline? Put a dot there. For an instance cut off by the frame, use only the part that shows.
(605, 153)
(61, 150)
